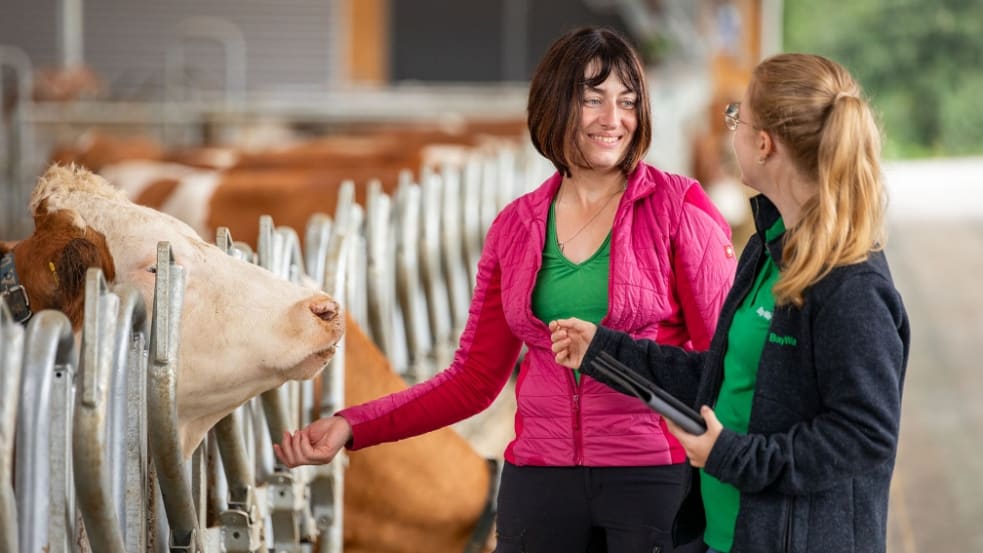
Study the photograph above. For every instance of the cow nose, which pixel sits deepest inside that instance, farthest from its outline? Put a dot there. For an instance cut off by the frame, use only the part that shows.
(325, 309)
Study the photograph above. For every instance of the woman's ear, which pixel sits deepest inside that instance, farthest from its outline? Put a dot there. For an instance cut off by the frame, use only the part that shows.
(766, 146)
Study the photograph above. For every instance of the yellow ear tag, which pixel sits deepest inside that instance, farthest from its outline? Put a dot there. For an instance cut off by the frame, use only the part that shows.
(54, 273)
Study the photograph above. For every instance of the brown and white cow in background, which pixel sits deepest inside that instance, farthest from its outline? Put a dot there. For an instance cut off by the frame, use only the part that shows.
(211, 187)
(244, 331)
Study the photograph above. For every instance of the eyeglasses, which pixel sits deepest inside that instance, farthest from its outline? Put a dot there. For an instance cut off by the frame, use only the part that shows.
(731, 118)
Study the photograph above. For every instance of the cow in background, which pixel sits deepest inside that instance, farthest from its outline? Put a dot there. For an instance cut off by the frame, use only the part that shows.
(422, 494)
(244, 331)
(399, 146)
(215, 186)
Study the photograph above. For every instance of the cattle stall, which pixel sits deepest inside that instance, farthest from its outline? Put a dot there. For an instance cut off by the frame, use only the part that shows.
(84, 419)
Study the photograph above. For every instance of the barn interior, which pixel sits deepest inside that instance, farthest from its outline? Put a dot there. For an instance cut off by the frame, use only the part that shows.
(360, 146)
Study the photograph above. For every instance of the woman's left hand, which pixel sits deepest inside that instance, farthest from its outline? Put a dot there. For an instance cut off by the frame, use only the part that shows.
(698, 447)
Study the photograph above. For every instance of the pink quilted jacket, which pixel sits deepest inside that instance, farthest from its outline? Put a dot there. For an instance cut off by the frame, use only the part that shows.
(672, 264)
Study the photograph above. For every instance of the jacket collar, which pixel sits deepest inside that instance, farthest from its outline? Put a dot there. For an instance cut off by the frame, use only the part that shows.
(642, 182)
(765, 215)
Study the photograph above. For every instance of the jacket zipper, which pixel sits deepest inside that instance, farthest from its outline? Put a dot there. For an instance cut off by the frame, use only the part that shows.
(790, 507)
(578, 439)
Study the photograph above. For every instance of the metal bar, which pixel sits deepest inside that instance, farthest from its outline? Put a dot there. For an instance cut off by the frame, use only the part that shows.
(131, 361)
(199, 482)
(317, 238)
(356, 300)
(11, 360)
(471, 206)
(327, 503)
(408, 288)
(70, 43)
(434, 286)
(49, 343)
(451, 250)
(17, 153)
(90, 445)
(62, 512)
(238, 472)
(292, 260)
(274, 405)
(172, 471)
(381, 271)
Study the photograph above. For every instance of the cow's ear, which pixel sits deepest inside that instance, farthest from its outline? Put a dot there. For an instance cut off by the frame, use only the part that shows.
(68, 269)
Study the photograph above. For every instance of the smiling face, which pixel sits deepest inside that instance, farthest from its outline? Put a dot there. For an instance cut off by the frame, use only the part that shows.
(608, 121)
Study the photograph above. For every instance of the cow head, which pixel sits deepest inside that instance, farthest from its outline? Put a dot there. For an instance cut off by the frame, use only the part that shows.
(52, 262)
(243, 330)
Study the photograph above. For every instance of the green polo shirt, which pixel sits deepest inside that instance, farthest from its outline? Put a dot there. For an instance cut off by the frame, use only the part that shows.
(566, 289)
(745, 342)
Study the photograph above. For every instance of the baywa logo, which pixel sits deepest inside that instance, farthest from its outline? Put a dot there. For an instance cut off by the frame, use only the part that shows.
(763, 313)
(782, 340)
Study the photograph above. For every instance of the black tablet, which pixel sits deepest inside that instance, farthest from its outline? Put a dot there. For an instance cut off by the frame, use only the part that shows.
(655, 397)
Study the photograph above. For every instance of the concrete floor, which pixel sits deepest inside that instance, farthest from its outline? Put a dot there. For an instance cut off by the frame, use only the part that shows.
(937, 492)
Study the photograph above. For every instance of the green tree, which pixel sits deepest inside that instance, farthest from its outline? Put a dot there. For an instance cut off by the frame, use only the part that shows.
(920, 61)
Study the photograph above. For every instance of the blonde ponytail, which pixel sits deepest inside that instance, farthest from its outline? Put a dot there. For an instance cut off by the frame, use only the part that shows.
(816, 109)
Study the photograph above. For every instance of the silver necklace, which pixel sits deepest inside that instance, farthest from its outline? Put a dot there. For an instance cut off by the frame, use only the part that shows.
(563, 243)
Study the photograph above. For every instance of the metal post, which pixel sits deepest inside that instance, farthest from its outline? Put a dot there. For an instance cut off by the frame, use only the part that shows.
(17, 155)
(71, 35)
(11, 360)
(172, 471)
(49, 344)
(90, 444)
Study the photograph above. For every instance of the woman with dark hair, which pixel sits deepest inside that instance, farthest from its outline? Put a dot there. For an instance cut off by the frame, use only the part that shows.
(806, 370)
(608, 239)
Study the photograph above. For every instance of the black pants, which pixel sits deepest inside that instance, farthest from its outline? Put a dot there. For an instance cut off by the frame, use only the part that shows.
(589, 510)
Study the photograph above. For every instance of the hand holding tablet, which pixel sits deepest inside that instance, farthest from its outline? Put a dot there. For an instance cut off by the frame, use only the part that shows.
(655, 397)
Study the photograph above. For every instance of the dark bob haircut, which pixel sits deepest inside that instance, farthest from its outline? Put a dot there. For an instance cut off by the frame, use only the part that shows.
(557, 91)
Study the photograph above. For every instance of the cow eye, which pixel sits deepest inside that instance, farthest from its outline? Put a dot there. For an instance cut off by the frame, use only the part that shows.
(152, 269)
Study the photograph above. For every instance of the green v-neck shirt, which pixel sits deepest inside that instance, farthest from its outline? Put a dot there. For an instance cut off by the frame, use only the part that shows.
(745, 342)
(566, 289)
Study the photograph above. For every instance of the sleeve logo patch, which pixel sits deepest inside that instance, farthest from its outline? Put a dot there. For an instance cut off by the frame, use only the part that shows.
(729, 251)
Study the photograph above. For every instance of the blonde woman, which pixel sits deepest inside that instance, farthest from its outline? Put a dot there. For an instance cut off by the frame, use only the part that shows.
(801, 385)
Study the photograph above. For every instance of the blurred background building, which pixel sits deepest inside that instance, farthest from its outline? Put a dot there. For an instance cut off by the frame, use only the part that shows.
(214, 72)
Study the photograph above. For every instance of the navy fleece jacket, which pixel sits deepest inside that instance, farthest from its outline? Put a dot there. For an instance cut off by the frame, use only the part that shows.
(814, 469)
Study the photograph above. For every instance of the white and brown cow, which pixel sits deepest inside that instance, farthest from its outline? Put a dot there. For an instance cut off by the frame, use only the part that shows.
(243, 331)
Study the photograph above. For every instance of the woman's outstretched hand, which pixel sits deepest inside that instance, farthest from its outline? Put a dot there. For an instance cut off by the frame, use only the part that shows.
(315, 444)
(570, 340)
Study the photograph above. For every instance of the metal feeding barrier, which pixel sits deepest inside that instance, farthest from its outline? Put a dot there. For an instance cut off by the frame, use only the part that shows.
(43, 481)
(11, 359)
(110, 438)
